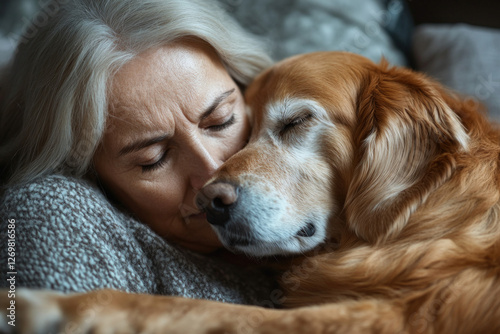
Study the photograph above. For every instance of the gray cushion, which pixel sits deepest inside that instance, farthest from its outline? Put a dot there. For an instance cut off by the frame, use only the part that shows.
(463, 57)
(300, 26)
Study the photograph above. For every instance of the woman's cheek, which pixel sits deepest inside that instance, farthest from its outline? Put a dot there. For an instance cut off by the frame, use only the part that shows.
(153, 199)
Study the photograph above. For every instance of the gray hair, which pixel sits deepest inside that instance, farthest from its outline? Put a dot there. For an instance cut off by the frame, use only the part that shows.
(54, 96)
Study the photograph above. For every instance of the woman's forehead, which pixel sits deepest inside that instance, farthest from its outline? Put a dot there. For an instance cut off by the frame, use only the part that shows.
(169, 64)
(179, 72)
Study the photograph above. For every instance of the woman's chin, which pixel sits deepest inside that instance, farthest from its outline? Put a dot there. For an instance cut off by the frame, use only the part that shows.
(200, 237)
(200, 247)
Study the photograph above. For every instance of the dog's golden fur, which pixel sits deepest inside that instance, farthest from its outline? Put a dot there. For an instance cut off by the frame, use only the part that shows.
(414, 243)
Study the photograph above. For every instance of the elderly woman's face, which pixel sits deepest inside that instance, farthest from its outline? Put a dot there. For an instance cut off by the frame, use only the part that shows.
(175, 117)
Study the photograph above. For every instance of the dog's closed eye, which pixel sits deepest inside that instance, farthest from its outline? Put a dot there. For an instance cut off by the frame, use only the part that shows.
(290, 121)
(290, 124)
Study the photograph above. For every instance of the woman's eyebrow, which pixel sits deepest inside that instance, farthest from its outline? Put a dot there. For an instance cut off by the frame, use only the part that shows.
(216, 103)
(143, 143)
(139, 145)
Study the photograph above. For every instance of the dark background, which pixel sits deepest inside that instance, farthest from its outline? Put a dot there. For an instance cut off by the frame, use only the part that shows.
(484, 13)
(476, 12)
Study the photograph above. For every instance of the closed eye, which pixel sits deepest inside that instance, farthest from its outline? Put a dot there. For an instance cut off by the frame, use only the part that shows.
(223, 126)
(156, 165)
(294, 122)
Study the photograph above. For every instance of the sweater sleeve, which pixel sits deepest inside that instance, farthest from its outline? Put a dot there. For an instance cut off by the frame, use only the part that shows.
(70, 238)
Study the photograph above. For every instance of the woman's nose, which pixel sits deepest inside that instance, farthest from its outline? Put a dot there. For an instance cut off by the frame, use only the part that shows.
(203, 166)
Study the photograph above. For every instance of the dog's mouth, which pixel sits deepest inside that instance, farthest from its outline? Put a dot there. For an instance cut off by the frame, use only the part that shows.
(233, 241)
(240, 241)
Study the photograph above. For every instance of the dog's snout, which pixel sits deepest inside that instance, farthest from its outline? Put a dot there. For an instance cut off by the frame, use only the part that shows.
(216, 199)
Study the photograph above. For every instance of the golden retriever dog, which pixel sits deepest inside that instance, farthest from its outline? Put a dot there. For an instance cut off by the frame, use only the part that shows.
(380, 186)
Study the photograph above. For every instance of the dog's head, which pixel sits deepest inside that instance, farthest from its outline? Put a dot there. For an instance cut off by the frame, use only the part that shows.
(337, 143)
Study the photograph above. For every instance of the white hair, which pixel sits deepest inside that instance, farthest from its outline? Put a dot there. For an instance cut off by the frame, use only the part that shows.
(54, 96)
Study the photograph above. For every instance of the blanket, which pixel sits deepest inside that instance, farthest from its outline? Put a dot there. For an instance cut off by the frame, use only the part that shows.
(69, 237)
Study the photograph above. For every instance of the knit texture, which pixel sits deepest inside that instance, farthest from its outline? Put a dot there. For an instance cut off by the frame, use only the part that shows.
(70, 238)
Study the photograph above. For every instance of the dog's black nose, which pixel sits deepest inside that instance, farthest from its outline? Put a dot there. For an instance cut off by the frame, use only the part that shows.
(216, 200)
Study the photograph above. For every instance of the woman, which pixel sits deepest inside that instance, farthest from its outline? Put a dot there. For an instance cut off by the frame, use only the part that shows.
(142, 96)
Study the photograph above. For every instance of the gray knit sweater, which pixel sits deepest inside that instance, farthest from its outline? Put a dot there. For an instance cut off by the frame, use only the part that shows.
(69, 237)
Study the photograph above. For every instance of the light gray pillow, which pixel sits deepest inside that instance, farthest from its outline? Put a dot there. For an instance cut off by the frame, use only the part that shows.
(463, 57)
(300, 26)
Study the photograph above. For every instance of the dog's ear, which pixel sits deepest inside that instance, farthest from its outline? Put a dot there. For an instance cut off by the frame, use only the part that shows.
(406, 139)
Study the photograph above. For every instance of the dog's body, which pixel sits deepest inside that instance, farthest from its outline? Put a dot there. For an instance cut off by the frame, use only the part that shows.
(387, 182)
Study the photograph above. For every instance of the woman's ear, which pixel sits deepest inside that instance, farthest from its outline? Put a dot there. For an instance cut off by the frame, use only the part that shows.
(406, 139)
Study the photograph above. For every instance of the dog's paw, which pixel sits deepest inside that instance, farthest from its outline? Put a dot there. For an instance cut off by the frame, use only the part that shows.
(30, 311)
(50, 312)
(111, 312)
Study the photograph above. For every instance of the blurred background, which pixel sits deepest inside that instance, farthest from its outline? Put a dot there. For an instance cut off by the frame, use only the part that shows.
(455, 41)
